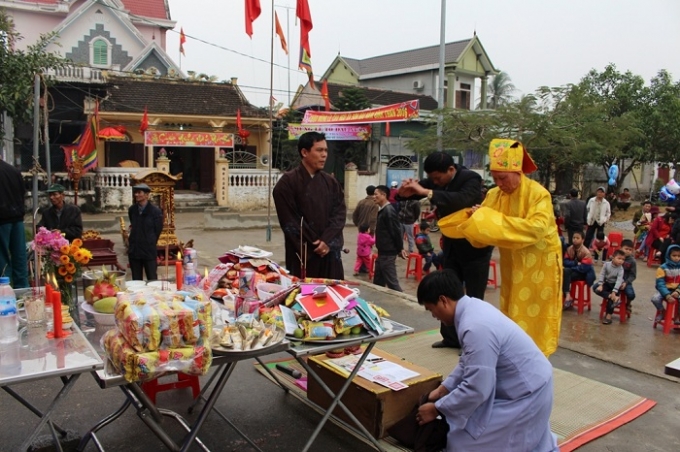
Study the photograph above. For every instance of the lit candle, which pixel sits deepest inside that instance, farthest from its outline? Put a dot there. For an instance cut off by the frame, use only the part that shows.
(56, 308)
(48, 291)
(178, 271)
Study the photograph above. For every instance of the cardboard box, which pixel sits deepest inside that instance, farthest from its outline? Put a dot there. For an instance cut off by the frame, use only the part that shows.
(375, 406)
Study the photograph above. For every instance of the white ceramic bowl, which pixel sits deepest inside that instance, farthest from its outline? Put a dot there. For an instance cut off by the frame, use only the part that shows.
(266, 290)
(99, 317)
(135, 283)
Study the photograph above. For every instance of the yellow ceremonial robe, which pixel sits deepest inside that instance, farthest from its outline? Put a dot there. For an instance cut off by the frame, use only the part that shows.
(522, 226)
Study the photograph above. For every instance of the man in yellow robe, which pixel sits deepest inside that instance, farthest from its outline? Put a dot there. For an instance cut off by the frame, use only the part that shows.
(517, 217)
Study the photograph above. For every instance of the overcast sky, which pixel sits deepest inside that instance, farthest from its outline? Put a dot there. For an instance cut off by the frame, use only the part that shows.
(537, 42)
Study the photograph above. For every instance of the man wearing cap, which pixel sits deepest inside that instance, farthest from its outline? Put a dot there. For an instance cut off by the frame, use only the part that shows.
(599, 212)
(394, 190)
(517, 216)
(62, 216)
(146, 224)
(366, 211)
(12, 234)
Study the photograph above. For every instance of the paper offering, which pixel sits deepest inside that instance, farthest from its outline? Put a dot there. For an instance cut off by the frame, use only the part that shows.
(375, 369)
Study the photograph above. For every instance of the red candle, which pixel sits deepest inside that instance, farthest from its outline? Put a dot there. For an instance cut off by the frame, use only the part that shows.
(48, 293)
(56, 307)
(178, 274)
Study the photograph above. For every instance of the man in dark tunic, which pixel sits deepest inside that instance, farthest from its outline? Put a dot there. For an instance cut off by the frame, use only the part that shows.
(451, 187)
(61, 215)
(309, 196)
(146, 225)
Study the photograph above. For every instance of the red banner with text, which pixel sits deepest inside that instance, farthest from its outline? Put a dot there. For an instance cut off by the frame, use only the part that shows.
(389, 113)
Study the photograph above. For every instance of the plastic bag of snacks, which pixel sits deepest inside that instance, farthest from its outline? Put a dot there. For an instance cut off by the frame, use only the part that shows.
(144, 366)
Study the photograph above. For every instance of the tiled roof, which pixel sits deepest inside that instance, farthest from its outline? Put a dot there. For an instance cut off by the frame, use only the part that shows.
(157, 9)
(402, 61)
(177, 97)
(382, 97)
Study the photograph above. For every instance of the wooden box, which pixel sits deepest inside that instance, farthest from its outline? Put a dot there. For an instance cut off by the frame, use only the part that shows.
(375, 406)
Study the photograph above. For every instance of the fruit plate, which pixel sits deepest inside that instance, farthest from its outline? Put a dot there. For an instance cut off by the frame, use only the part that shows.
(337, 340)
(99, 317)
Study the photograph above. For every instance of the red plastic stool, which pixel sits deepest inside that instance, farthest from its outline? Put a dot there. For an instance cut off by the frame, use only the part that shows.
(153, 387)
(418, 270)
(620, 310)
(651, 258)
(416, 230)
(580, 293)
(667, 322)
(615, 239)
(493, 280)
(371, 269)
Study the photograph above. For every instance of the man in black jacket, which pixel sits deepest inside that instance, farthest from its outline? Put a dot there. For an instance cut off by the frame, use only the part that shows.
(62, 216)
(12, 234)
(574, 214)
(388, 241)
(146, 224)
(450, 188)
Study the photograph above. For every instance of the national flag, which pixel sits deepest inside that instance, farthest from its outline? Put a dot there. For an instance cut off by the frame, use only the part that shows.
(387, 129)
(324, 94)
(279, 31)
(302, 11)
(144, 124)
(238, 119)
(182, 40)
(253, 11)
(306, 64)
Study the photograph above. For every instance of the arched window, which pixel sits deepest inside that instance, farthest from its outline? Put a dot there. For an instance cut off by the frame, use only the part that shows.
(100, 53)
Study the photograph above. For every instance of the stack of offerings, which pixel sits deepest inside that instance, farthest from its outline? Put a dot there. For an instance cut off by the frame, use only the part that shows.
(238, 275)
(190, 263)
(160, 332)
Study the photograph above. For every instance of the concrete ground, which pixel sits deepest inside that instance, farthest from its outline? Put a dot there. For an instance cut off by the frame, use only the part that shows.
(630, 356)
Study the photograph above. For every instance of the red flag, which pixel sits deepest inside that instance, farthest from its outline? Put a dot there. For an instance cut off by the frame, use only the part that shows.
(145, 122)
(253, 11)
(238, 119)
(387, 129)
(279, 31)
(324, 94)
(302, 11)
(182, 40)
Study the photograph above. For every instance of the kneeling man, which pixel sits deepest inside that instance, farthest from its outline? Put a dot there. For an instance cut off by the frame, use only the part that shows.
(500, 395)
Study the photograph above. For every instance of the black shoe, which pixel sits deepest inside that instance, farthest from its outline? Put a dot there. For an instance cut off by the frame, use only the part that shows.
(442, 344)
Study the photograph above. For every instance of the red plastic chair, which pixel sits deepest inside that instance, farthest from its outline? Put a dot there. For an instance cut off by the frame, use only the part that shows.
(417, 271)
(153, 387)
(652, 259)
(615, 239)
(580, 293)
(620, 310)
(493, 279)
(667, 322)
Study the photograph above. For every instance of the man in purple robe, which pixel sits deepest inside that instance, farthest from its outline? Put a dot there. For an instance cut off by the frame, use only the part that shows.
(311, 208)
(500, 395)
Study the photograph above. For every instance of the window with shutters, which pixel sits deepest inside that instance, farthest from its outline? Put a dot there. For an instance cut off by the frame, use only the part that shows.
(100, 53)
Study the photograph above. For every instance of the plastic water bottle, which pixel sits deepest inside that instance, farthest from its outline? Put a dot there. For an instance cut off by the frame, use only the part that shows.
(8, 313)
(190, 276)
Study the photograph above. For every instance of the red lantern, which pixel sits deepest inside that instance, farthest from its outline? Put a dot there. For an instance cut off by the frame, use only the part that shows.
(244, 134)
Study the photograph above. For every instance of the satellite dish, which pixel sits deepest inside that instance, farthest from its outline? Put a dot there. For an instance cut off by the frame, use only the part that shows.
(264, 160)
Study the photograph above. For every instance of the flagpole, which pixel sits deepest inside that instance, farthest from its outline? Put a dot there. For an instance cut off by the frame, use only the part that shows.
(271, 130)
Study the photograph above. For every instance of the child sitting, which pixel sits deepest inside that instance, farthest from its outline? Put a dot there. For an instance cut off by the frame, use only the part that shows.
(629, 273)
(609, 283)
(425, 248)
(578, 266)
(365, 242)
(667, 282)
(600, 244)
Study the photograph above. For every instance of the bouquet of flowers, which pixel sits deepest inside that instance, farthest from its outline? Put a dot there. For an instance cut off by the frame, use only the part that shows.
(61, 260)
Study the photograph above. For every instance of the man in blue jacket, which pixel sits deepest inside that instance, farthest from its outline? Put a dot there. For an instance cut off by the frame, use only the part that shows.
(146, 224)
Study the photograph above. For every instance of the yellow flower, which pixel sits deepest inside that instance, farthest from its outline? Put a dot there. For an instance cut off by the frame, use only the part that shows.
(68, 278)
(77, 242)
(64, 259)
(71, 268)
(62, 271)
(64, 249)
